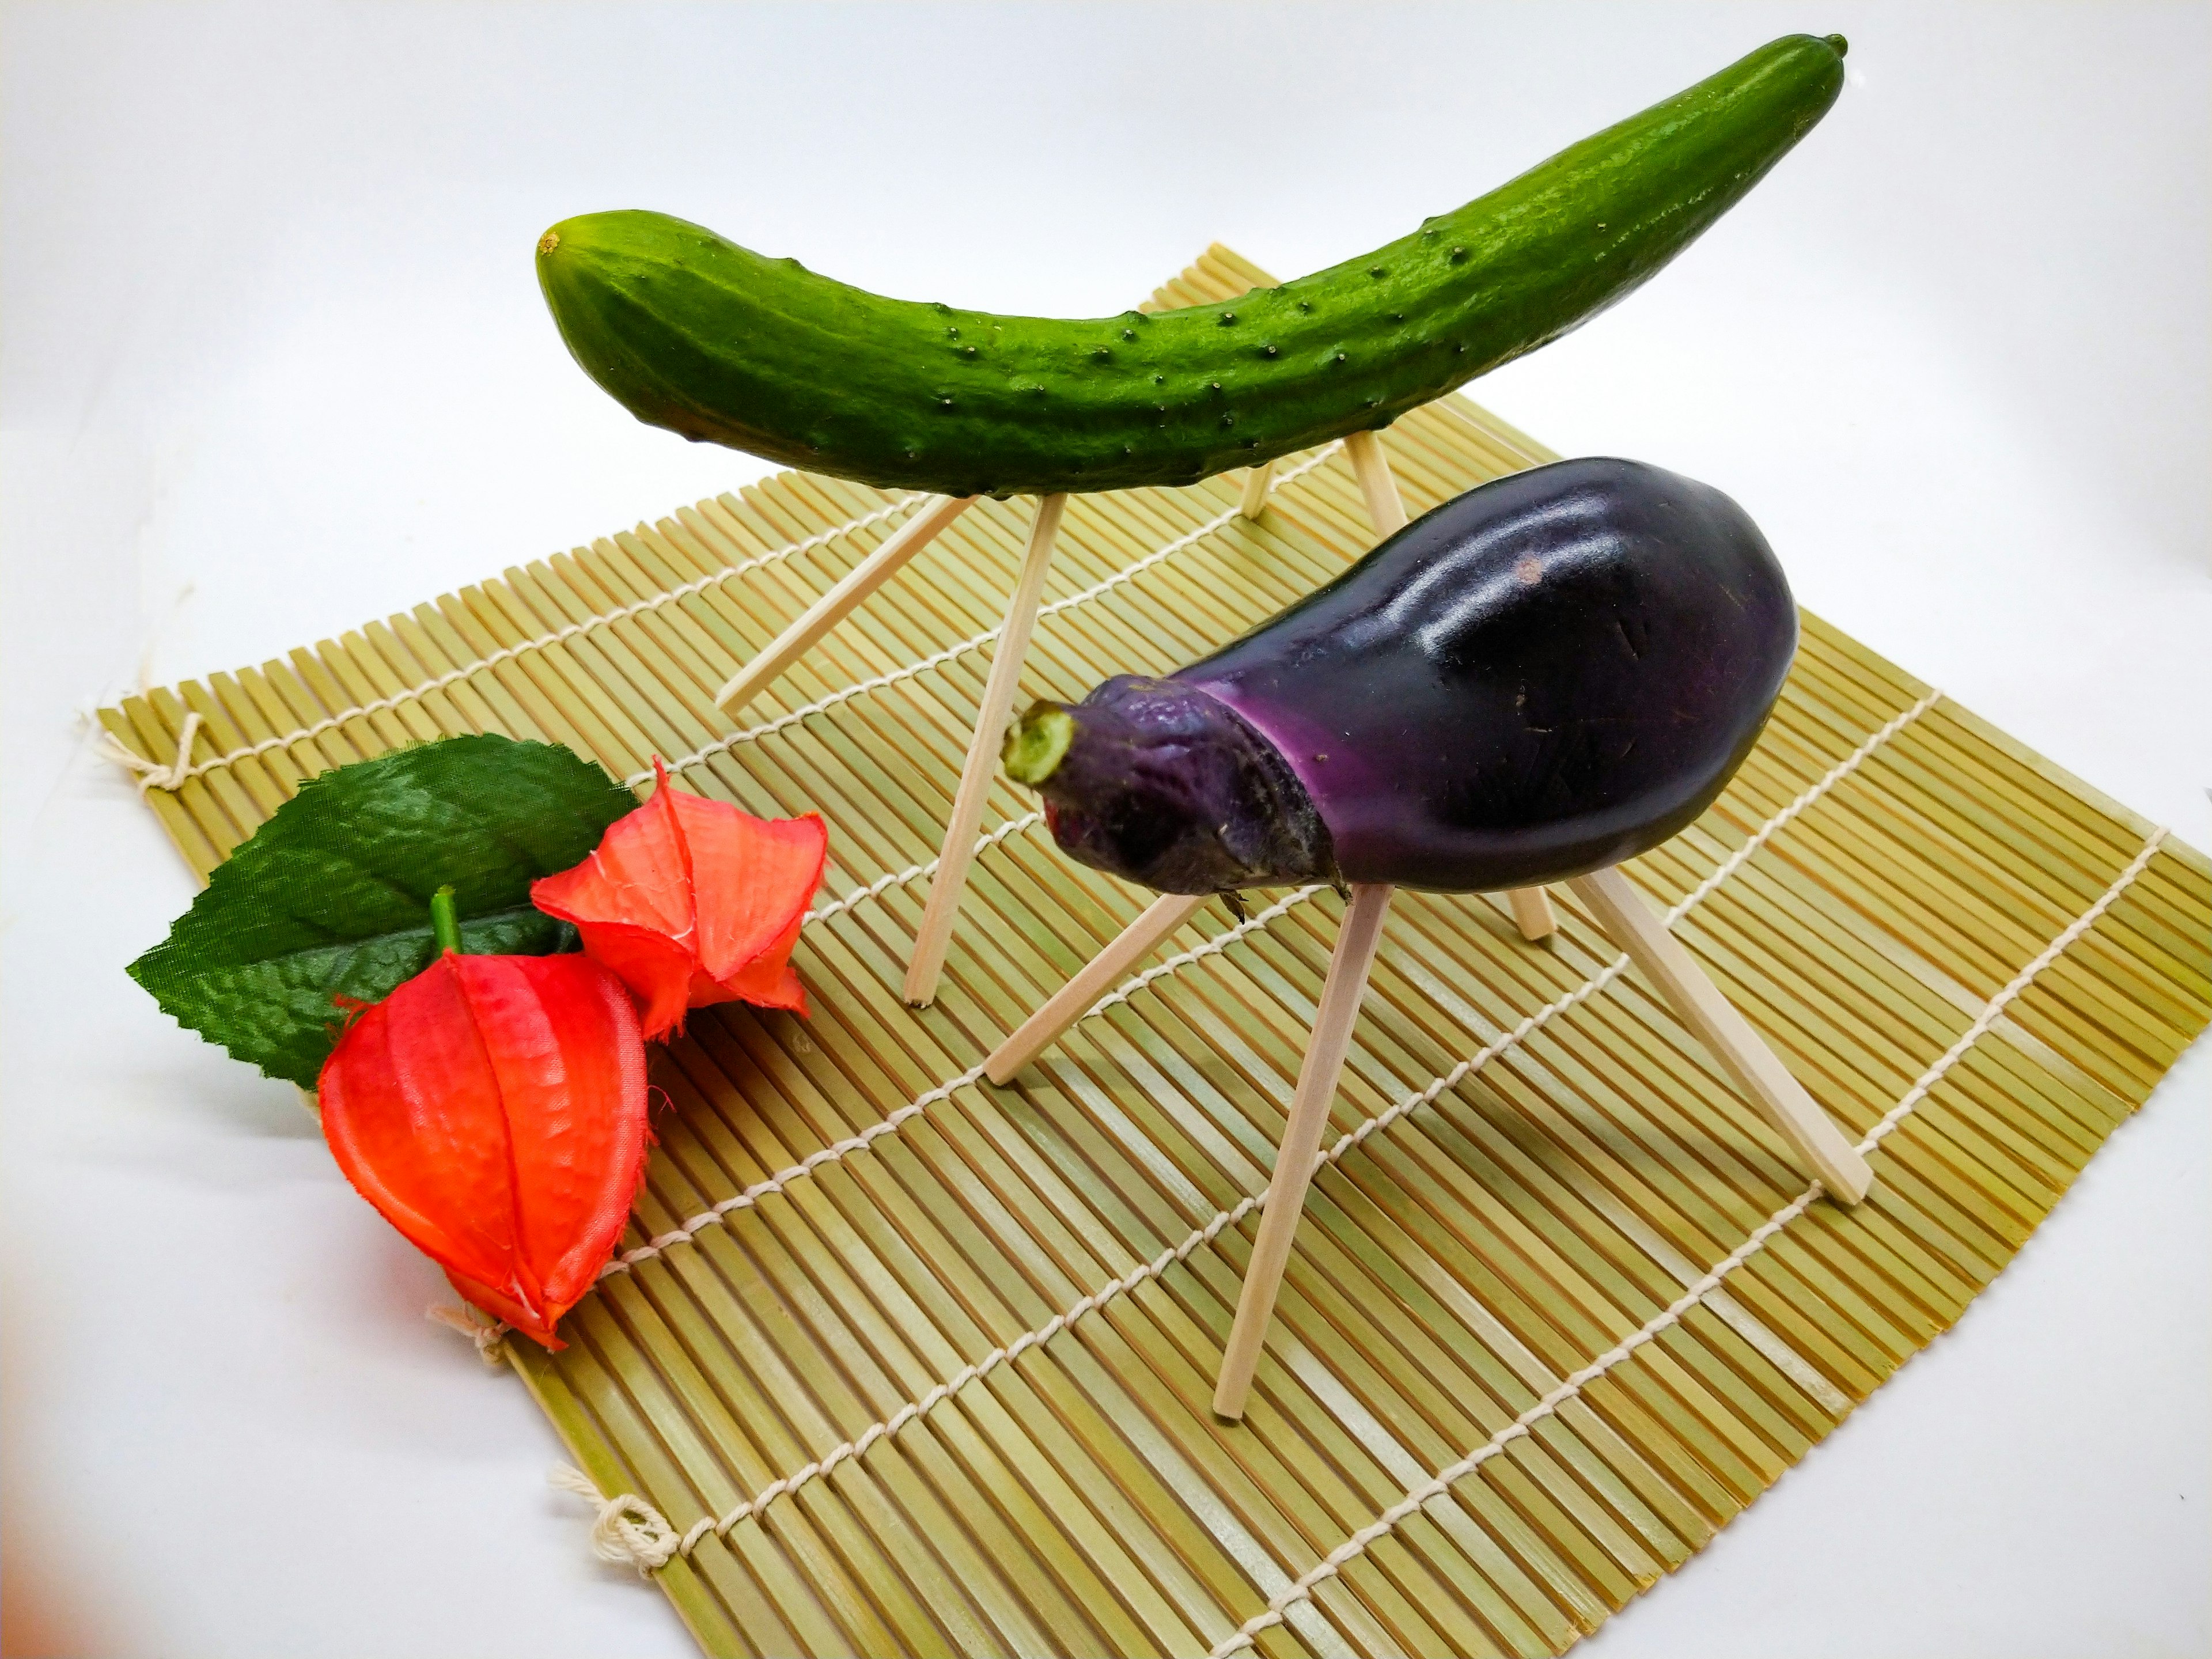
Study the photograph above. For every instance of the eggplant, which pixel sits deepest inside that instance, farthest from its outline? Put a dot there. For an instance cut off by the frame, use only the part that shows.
(1542, 677)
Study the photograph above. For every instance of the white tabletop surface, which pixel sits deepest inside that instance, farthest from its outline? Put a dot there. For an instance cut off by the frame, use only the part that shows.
(269, 309)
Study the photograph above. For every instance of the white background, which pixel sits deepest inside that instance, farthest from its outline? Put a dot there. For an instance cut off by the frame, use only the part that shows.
(275, 362)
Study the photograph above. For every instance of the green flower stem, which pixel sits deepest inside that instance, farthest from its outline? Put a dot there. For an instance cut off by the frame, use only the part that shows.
(444, 922)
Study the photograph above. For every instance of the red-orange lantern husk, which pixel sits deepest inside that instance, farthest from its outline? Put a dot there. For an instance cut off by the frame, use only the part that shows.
(494, 1109)
(693, 902)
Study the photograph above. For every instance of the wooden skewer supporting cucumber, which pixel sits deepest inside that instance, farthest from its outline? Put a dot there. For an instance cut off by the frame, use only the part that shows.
(694, 333)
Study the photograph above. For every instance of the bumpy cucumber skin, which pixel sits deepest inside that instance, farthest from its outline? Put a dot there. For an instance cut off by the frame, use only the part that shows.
(694, 333)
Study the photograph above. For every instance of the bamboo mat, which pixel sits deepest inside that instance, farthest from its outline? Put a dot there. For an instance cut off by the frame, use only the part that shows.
(938, 1357)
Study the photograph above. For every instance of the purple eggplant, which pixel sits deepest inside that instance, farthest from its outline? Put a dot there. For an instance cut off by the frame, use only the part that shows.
(1542, 677)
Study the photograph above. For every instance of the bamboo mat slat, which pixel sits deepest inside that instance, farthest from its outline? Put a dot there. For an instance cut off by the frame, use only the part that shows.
(918, 1365)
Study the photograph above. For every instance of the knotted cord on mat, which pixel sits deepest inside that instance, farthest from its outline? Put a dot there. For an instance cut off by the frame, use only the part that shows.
(480, 1328)
(152, 775)
(627, 1531)
(884, 884)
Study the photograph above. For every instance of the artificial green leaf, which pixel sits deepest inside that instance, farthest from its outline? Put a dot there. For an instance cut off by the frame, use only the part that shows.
(330, 900)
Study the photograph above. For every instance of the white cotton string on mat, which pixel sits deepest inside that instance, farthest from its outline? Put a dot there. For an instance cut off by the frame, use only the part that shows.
(152, 775)
(452, 677)
(627, 1531)
(838, 1149)
(884, 884)
(1220, 1222)
(1259, 918)
(1438, 1484)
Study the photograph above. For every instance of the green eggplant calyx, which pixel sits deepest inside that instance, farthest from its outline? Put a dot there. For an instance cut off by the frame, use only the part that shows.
(1037, 745)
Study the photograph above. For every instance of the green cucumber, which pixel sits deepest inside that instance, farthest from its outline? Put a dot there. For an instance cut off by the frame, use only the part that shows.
(698, 335)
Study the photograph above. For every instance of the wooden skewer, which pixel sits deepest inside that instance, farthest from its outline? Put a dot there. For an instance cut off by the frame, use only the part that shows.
(1531, 909)
(833, 606)
(1294, 1160)
(1532, 912)
(1820, 1146)
(959, 849)
(1385, 508)
(1256, 482)
(1074, 1000)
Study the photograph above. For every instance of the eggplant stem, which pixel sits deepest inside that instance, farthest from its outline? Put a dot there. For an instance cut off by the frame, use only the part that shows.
(1036, 747)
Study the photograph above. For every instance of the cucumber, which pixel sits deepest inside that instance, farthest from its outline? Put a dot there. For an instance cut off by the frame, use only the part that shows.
(694, 333)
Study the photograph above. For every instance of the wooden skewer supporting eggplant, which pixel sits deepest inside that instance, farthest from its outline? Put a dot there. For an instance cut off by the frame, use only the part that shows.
(1356, 944)
(1099, 975)
(1386, 510)
(1765, 1082)
(1536, 681)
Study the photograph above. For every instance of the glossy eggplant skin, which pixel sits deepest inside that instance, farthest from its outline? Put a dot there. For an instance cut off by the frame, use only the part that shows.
(1547, 674)
(1543, 676)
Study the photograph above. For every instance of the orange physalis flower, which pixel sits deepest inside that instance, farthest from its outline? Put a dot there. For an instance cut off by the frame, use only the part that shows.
(692, 901)
(494, 1109)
